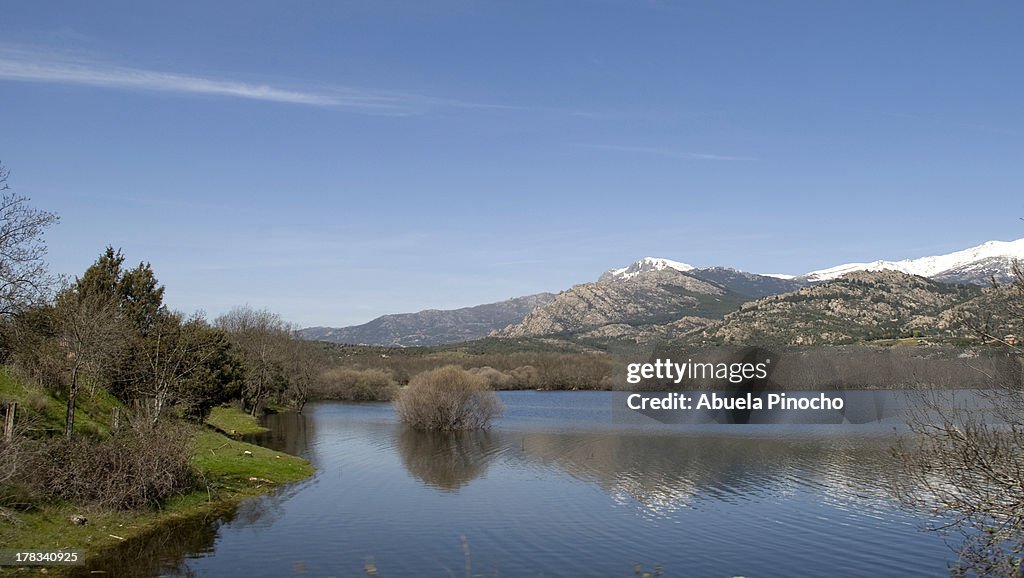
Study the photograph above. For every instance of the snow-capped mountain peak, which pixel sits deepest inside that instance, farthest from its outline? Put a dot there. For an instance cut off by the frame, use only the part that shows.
(642, 266)
(934, 266)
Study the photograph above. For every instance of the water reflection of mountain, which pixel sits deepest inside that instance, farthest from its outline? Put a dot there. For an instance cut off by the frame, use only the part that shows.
(666, 472)
(446, 461)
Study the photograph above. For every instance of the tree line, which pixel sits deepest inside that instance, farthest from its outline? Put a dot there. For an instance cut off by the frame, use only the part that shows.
(110, 329)
(108, 378)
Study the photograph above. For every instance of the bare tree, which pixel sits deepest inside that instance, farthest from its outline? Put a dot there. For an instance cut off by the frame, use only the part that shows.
(90, 338)
(261, 337)
(304, 369)
(306, 363)
(23, 277)
(965, 464)
(174, 350)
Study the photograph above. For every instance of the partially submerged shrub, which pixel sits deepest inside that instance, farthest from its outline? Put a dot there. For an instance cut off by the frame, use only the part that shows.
(447, 399)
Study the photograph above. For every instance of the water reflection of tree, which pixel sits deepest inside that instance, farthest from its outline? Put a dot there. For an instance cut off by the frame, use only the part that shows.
(263, 510)
(290, 432)
(446, 461)
(161, 551)
(964, 464)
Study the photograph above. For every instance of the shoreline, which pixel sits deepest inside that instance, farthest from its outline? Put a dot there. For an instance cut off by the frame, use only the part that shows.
(234, 471)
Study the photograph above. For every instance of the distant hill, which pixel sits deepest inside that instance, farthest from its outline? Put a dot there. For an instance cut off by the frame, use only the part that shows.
(433, 326)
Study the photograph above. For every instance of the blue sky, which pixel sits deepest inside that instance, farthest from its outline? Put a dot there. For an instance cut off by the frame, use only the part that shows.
(338, 160)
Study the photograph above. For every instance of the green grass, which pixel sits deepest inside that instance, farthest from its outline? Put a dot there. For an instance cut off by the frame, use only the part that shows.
(50, 527)
(233, 421)
(226, 464)
(229, 473)
(230, 470)
(45, 410)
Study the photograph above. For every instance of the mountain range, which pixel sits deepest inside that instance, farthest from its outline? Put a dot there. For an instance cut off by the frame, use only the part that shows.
(433, 326)
(976, 265)
(657, 298)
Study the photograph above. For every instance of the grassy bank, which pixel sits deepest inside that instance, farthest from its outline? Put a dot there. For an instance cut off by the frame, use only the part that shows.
(46, 411)
(229, 470)
(233, 422)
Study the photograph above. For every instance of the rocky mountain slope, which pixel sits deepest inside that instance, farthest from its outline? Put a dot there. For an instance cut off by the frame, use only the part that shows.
(981, 272)
(616, 306)
(749, 284)
(995, 313)
(859, 306)
(645, 265)
(433, 326)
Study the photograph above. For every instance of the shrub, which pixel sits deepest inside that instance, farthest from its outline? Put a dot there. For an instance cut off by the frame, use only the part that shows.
(447, 399)
(138, 467)
(11, 462)
(356, 385)
(492, 377)
(526, 377)
(37, 401)
(19, 458)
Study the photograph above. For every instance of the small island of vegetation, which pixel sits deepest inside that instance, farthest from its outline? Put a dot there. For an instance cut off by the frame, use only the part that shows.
(448, 398)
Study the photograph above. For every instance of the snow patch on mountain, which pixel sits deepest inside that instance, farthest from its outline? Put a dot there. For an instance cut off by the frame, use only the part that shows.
(930, 266)
(778, 276)
(642, 266)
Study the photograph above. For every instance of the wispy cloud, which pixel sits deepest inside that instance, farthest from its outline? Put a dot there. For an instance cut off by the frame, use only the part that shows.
(669, 153)
(27, 65)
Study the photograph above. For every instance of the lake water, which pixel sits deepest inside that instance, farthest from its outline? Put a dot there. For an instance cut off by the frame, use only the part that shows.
(559, 488)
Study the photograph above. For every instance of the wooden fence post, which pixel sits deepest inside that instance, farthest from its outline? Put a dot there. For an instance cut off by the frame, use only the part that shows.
(9, 421)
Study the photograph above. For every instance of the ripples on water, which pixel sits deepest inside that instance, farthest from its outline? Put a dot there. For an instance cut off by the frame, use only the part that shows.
(557, 488)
